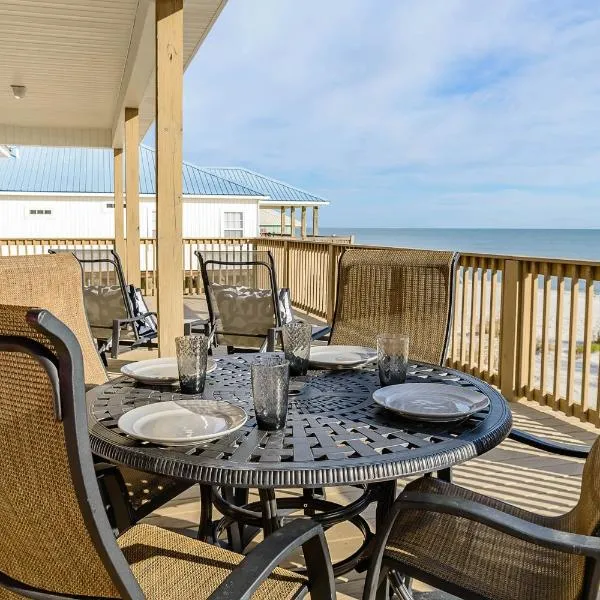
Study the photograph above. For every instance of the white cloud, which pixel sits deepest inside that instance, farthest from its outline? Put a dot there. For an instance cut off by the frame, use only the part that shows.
(407, 104)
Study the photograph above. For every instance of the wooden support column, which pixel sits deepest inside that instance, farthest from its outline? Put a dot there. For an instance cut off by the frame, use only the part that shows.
(132, 191)
(303, 223)
(315, 227)
(292, 221)
(169, 212)
(120, 247)
(282, 227)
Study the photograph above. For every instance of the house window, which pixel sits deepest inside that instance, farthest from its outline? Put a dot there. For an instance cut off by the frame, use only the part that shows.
(110, 205)
(40, 211)
(233, 224)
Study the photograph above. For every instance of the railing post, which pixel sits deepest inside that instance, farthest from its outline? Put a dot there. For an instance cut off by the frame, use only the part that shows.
(524, 330)
(509, 328)
(331, 285)
(286, 264)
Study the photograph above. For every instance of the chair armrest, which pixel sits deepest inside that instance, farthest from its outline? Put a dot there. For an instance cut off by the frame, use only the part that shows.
(572, 450)
(136, 318)
(562, 541)
(320, 333)
(260, 563)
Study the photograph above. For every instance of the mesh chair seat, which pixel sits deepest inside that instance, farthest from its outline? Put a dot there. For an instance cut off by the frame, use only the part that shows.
(480, 559)
(170, 565)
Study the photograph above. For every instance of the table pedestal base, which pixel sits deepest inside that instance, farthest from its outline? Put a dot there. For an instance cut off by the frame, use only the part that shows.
(243, 520)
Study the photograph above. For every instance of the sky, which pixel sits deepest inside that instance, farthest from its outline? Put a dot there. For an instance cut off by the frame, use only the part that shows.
(402, 113)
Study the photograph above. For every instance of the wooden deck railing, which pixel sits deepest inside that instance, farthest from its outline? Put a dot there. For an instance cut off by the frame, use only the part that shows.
(531, 326)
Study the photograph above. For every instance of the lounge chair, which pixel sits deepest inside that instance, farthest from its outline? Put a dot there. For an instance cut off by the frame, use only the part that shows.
(245, 306)
(55, 539)
(53, 282)
(119, 317)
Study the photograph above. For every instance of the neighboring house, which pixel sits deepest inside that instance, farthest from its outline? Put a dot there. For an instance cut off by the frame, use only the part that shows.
(68, 193)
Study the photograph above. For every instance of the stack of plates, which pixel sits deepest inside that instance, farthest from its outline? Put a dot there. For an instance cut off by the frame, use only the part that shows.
(159, 371)
(434, 402)
(182, 422)
(341, 357)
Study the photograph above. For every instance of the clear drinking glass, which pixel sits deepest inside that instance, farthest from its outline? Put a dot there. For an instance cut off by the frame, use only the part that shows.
(270, 383)
(192, 354)
(392, 358)
(297, 336)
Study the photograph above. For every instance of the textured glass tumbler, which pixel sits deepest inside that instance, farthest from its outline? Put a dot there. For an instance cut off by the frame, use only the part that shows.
(392, 358)
(192, 354)
(270, 384)
(297, 336)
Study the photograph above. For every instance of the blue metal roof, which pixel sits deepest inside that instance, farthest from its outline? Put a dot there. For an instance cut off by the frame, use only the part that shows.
(90, 171)
(276, 190)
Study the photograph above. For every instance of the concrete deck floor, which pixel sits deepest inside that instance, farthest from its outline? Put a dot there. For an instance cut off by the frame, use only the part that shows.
(514, 473)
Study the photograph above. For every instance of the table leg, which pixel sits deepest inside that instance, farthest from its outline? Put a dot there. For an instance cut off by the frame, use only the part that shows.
(235, 532)
(385, 499)
(268, 503)
(205, 531)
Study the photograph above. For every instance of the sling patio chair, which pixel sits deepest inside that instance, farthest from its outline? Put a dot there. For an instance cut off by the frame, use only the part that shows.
(53, 282)
(246, 308)
(480, 548)
(396, 291)
(407, 292)
(55, 538)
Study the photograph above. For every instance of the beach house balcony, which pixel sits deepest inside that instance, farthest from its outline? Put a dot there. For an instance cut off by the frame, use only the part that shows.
(116, 484)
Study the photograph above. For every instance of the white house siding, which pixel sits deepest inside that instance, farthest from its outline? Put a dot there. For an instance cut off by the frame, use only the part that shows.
(71, 216)
(89, 216)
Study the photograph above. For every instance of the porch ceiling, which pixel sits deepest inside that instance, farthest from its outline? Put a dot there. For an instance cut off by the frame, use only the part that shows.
(83, 61)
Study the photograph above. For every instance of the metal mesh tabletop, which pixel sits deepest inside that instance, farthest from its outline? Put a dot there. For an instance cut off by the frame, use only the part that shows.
(335, 433)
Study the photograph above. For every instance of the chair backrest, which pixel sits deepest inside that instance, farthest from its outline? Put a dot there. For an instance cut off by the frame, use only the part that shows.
(54, 532)
(396, 291)
(105, 292)
(241, 295)
(53, 282)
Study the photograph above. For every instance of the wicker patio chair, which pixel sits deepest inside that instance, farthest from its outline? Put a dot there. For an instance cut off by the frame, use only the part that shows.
(59, 543)
(396, 291)
(54, 282)
(246, 308)
(476, 547)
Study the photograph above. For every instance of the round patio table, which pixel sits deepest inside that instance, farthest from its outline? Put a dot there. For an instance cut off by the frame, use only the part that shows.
(335, 435)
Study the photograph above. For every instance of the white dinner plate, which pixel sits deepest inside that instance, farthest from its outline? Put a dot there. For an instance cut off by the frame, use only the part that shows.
(431, 401)
(341, 357)
(159, 371)
(182, 422)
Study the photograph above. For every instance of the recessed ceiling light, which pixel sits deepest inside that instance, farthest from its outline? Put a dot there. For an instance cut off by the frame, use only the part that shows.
(19, 91)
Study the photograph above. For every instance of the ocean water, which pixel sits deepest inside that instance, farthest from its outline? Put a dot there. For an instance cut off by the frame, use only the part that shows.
(541, 243)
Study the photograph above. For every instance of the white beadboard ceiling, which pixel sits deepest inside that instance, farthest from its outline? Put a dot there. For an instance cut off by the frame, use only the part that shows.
(83, 61)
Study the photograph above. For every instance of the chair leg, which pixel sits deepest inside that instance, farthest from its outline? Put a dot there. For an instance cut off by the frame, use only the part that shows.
(401, 586)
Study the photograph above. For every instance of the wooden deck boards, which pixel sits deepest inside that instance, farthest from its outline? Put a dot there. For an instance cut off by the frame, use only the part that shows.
(512, 472)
